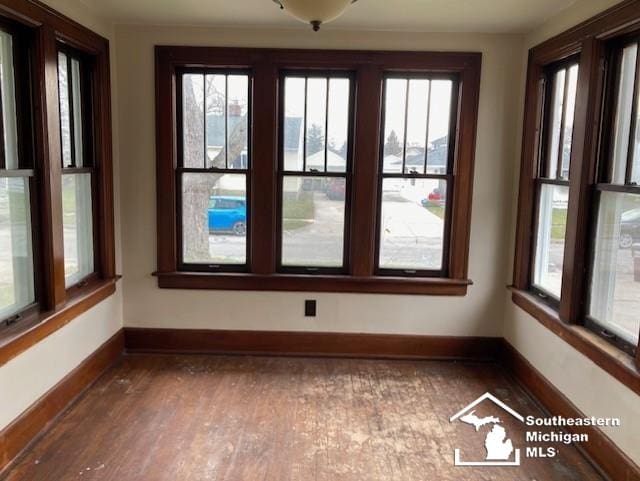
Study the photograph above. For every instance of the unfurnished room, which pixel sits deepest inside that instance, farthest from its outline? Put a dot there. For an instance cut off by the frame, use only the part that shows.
(319, 240)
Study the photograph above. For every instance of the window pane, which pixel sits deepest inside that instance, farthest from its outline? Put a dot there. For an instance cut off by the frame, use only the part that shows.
(338, 125)
(77, 112)
(316, 121)
(77, 223)
(237, 121)
(16, 253)
(216, 128)
(193, 120)
(65, 110)
(439, 120)
(551, 226)
(313, 211)
(394, 119)
(417, 125)
(412, 224)
(294, 89)
(7, 83)
(615, 284)
(557, 107)
(623, 114)
(214, 218)
(572, 84)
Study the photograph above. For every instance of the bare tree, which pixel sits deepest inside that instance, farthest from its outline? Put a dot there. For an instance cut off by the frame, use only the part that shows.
(195, 199)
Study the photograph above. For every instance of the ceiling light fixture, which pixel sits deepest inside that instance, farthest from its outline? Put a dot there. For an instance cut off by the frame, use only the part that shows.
(315, 12)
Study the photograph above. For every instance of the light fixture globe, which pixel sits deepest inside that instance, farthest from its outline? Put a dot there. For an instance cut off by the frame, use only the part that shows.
(315, 12)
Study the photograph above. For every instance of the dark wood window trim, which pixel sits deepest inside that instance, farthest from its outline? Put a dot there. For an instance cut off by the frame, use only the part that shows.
(369, 68)
(57, 305)
(614, 361)
(589, 42)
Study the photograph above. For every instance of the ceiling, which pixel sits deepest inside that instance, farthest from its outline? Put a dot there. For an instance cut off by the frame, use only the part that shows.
(409, 15)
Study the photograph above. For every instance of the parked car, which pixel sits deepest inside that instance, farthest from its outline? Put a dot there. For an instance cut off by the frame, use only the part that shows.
(228, 214)
(436, 196)
(630, 228)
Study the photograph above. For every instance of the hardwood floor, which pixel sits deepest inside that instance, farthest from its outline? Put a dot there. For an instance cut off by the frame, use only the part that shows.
(177, 417)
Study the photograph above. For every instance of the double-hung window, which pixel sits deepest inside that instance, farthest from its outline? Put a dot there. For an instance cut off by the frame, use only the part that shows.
(57, 249)
(315, 171)
(614, 291)
(577, 256)
(552, 183)
(17, 179)
(314, 174)
(213, 173)
(416, 175)
(78, 173)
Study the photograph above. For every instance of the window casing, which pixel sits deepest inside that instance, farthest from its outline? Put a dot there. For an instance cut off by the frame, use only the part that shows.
(599, 289)
(38, 170)
(278, 258)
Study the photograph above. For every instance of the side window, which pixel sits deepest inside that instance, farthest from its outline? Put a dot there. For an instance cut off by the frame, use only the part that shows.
(552, 182)
(315, 172)
(614, 294)
(78, 170)
(17, 176)
(213, 168)
(416, 175)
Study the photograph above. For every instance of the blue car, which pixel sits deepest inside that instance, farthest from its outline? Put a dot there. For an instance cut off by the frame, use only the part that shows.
(228, 214)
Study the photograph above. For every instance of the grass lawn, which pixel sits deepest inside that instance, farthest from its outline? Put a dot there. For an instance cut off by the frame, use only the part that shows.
(558, 224)
(436, 210)
(298, 211)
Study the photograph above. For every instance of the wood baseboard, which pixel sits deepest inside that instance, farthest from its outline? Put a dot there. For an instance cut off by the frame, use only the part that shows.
(25, 429)
(601, 451)
(292, 343)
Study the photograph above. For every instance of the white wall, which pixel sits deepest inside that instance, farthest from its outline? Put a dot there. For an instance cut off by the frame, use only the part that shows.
(32, 373)
(479, 313)
(588, 386)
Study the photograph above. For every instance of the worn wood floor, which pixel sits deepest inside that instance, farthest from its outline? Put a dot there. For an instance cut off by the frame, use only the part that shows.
(154, 417)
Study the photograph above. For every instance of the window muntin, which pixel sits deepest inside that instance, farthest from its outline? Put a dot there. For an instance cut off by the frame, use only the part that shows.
(213, 169)
(552, 184)
(17, 278)
(78, 172)
(314, 177)
(416, 175)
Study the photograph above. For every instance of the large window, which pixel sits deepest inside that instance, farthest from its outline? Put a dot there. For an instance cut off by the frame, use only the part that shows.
(77, 167)
(214, 169)
(577, 257)
(559, 84)
(614, 293)
(57, 252)
(312, 170)
(17, 279)
(416, 163)
(315, 172)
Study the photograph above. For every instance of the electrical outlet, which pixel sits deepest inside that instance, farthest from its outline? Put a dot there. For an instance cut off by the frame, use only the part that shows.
(310, 308)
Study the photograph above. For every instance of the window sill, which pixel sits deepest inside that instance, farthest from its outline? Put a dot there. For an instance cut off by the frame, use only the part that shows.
(24, 334)
(315, 283)
(614, 361)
